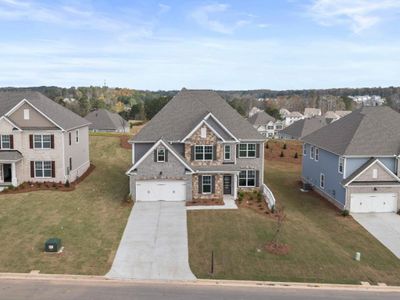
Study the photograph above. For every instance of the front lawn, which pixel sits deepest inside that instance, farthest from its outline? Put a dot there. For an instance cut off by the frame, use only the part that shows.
(322, 243)
(89, 220)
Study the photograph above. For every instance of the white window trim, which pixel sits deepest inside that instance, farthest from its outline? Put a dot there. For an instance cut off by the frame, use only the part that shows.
(374, 173)
(341, 163)
(26, 114)
(304, 150)
(43, 161)
(247, 150)
(230, 152)
(204, 152)
(202, 184)
(77, 136)
(247, 178)
(41, 141)
(203, 132)
(322, 186)
(9, 141)
(312, 152)
(316, 154)
(158, 153)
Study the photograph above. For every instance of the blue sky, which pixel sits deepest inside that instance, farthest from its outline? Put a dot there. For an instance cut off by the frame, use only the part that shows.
(246, 44)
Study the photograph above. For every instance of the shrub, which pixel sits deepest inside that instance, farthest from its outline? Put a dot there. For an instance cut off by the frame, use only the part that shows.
(266, 146)
(296, 156)
(67, 184)
(284, 146)
(345, 213)
(240, 196)
(282, 154)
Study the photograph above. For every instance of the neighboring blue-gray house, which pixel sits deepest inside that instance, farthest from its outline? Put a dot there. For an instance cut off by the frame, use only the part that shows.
(354, 162)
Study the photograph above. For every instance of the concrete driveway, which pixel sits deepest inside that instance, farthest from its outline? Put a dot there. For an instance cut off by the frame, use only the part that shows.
(154, 244)
(385, 227)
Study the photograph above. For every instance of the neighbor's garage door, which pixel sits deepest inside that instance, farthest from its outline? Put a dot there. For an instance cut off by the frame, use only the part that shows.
(161, 190)
(365, 203)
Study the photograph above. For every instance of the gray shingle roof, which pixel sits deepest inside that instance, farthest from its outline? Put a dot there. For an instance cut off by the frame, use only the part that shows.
(186, 109)
(369, 131)
(102, 119)
(304, 127)
(261, 118)
(10, 155)
(56, 112)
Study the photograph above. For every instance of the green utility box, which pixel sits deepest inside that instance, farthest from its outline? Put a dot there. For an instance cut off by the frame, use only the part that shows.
(52, 245)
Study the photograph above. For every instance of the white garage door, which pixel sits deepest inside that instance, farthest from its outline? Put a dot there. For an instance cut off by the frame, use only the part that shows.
(150, 190)
(365, 203)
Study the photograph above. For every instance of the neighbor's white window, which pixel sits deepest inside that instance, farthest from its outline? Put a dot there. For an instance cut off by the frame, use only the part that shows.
(247, 150)
(42, 141)
(322, 181)
(5, 142)
(26, 114)
(341, 165)
(316, 154)
(312, 152)
(206, 184)
(270, 127)
(375, 173)
(43, 169)
(227, 152)
(160, 155)
(203, 152)
(77, 136)
(247, 178)
(304, 150)
(203, 132)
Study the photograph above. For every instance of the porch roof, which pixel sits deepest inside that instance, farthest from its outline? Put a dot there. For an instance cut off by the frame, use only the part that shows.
(10, 156)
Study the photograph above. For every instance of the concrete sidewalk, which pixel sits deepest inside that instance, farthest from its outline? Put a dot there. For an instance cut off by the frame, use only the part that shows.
(154, 244)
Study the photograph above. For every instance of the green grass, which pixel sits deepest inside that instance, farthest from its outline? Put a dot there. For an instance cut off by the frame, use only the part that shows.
(322, 243)
(89, 220)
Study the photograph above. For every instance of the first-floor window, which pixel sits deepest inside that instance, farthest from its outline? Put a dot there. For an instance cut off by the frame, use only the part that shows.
(206, 184)
(5, 141)
(43, 169)
(322, 181)
(42, 141)
(247, 178)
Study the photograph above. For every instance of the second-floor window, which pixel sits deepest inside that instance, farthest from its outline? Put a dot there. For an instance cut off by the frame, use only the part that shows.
(77, 136)
(341, 165)
(316, 154)
(203, 152)
(304, 150)
(312, 152)
(42, 141)
(227, 152)
(160, 155)
(5, 142)
(270, 127)
(247, 150)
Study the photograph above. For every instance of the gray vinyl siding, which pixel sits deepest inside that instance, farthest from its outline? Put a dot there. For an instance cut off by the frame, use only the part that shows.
(328, 165)
(141, 149)
(252, 163)
(352, 164)
(180, 148)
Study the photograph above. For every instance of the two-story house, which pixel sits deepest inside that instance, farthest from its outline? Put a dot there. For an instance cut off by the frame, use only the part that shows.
(354, 161)
(265, 124)
(196, 147)
(40, 140)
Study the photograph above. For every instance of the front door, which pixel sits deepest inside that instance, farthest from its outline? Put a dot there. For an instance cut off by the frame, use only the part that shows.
(227, 184)
(7, 172)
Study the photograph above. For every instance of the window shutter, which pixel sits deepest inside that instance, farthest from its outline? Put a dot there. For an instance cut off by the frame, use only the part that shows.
(53, 169)
(192, 153)
(214, 152)
(32, 169)
(70, 138)
(257, 178)
(257, 150)
(237, 151)
(166, 155)
(213, 184)
(31, 141)
(0, 141)
(155, 155)
(11, 141)
(200, 184)
(52, 141)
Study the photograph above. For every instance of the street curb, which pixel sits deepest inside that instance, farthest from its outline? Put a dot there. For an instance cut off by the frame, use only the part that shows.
(201, 282)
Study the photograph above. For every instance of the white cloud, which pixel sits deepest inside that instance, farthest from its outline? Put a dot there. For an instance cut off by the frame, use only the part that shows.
(203, 15)
(163, 8)
(359, 15)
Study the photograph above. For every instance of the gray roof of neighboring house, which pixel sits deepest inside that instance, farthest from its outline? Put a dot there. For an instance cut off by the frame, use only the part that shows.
(295, 114)
(331, 115)
(54, 111)
(10, 155)
(342, 113)
(369, 131)
(261, 118)
(186, 110)
(310, 111)
(304, 127)
(102, 119)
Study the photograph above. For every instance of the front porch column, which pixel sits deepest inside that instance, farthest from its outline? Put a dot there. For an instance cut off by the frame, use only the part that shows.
(13, 175)
(234, 186)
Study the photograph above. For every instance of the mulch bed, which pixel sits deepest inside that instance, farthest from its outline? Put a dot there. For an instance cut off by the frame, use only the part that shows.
(277, 248)
(47, 185)
(274, 148)
(251, 202)
(205, 202)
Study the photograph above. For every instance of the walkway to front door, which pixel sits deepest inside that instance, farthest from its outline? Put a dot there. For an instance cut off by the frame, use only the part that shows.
(154, 244)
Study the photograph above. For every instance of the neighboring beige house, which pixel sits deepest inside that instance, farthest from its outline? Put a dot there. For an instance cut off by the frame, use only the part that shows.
(311, 112)
(265, 124)
(40, 140)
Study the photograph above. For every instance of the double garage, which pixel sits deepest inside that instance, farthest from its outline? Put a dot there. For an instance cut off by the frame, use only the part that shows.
(156, 190)
(373, 202)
